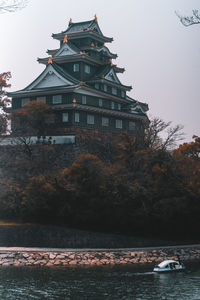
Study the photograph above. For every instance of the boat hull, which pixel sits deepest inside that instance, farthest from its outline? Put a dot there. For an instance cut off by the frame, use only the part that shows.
(166, 270)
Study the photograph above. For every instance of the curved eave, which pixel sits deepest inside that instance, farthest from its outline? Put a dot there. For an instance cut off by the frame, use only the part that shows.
(82, 34)
(71, 58)
(52, 52)
(118, 70)
(77, 88)
(45, 91)
(111, 83)
(101, 94)
(133, 101)
(100, 110)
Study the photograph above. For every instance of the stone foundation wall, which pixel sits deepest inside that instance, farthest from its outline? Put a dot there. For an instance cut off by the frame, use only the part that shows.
(66, 257)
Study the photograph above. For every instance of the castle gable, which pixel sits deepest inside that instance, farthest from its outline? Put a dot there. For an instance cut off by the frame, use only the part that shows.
(65, 50)
(111, 76)
(49, 78)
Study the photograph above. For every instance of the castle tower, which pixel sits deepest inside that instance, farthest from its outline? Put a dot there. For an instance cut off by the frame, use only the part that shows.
(81, 85)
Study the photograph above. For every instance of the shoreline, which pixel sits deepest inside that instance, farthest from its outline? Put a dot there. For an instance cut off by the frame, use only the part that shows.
(25, 256)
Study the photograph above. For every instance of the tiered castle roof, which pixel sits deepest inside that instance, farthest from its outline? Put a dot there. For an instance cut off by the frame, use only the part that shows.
(81, 42)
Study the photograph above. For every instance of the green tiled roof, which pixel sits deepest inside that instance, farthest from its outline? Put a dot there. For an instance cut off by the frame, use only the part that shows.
(80, 26)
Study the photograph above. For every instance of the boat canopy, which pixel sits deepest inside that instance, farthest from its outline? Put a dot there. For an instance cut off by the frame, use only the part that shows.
(166, 262)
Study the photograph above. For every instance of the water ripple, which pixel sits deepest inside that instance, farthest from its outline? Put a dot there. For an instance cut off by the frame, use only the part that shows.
(112, 283)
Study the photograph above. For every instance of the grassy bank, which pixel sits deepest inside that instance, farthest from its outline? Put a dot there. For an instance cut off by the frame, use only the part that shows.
(34, 235)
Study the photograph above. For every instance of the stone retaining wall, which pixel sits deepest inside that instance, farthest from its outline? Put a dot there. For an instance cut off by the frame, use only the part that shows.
(66, 257)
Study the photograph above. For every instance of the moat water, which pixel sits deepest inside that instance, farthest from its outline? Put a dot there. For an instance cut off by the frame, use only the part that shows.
(93, 283)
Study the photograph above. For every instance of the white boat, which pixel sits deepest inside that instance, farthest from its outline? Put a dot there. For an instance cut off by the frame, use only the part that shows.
(169, 266)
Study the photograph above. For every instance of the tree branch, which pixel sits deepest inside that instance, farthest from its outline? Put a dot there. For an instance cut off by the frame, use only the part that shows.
(190, 20)
(12, 5)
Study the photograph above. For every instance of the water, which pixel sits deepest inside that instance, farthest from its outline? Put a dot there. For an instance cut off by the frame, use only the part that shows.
(94, 283)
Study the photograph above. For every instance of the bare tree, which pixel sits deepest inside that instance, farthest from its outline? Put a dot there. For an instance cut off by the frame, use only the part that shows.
(190, 20)
(161, 135)
(12, 5)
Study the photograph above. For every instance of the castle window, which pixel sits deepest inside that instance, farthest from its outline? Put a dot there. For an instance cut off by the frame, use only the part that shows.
(132, 125)
(76, 67)
(57, 99)
(84, 100)
(119, 106)
(77, 117)
(42, 98)
(97, 86)
(118, 124)
(105, 121)
(25, 100)
(105, 88)
(65, 117)
(123, 94)
(112, 105)
(87, 69)
(100, 102)
(90, 119)
(114, 91)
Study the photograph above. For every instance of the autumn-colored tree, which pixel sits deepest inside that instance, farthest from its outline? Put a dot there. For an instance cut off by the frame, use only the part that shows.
(86, 179)
(40, 198)
(32, 119)
(86, 174)
(190, 150)
(97, 143)
(188, 162)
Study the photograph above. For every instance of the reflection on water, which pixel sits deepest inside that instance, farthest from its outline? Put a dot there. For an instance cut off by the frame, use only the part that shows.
(93, 283)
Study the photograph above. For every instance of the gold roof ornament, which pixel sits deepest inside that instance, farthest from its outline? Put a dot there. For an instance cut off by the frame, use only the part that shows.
(70, 21)
(95, 18)
(50, 61)
(65, 39)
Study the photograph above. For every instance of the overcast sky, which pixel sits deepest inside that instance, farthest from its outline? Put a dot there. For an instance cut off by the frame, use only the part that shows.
(160, 55)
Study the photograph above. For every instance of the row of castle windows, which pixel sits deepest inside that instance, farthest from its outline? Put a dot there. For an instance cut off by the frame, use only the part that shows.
(57, 99)
(113, 90)
(87, 68)
(100, 102)
(91, 121)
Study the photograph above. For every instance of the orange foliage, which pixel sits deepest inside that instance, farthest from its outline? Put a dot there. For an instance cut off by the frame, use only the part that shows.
(188, 158)
(32, 118)
(4, 77)
(35, 107)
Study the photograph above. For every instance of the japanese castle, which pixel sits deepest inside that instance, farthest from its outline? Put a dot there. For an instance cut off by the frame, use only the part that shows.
(81, 85)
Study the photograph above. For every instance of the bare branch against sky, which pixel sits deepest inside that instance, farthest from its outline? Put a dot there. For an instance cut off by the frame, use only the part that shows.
(12, 5)
(190, 20)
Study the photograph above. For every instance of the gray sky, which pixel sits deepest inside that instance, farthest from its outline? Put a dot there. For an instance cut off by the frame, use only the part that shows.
(160, 55)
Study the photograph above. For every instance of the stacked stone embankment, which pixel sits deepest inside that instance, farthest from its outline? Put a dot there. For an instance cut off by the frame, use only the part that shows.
(67, 257)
